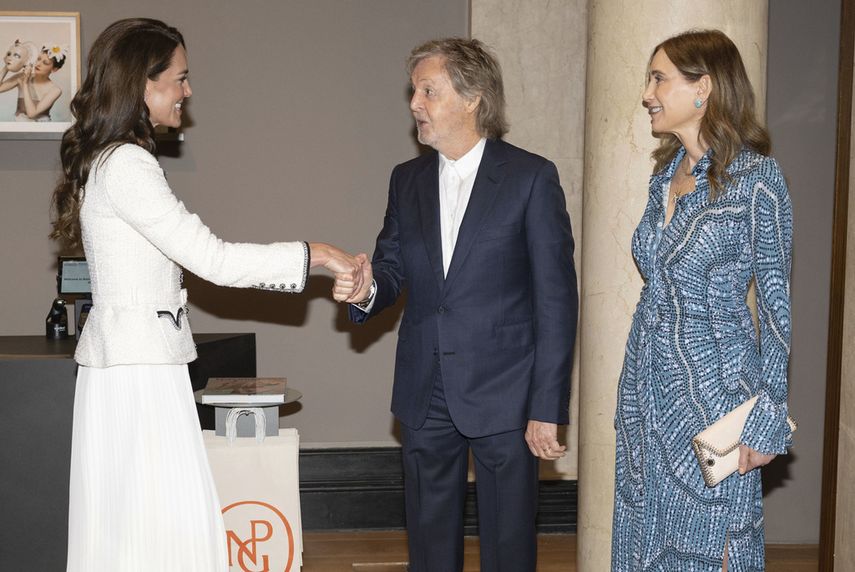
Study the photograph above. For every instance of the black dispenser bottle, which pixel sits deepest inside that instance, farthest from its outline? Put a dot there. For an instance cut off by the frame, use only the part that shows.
(56, 323)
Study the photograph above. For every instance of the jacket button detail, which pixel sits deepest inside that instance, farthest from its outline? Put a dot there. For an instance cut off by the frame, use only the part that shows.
(441, 310)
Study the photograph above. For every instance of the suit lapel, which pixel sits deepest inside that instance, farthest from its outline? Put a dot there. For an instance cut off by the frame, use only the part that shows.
(428, 196)
(487, 181)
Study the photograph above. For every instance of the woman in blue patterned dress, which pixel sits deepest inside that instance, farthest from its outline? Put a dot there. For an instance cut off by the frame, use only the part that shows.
(718, 216)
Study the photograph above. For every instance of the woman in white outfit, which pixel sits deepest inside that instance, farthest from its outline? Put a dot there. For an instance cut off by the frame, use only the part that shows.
(141, 496)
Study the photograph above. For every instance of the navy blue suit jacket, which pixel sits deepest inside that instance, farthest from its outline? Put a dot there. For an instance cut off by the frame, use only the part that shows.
(502, 324)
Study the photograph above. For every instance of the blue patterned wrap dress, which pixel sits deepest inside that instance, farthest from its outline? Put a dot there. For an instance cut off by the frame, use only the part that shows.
(692, 356)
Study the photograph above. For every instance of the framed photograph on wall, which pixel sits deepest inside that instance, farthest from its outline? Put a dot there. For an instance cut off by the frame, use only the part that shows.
(39, 72)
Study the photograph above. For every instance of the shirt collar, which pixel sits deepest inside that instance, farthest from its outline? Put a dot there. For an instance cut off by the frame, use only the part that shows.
(468, 163)
(745, 160)
(667, 172)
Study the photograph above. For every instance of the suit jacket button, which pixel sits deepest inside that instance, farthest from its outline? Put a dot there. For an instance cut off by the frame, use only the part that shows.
(441, 310)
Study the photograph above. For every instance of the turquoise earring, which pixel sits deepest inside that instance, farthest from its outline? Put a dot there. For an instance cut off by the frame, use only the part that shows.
(698, 103)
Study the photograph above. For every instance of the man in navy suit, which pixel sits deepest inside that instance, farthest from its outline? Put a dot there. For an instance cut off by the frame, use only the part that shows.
(478, 234)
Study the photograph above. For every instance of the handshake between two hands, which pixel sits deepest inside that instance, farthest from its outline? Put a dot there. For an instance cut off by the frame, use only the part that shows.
(353, 275)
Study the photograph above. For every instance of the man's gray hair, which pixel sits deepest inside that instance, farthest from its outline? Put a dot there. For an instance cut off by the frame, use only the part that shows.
(473, 70)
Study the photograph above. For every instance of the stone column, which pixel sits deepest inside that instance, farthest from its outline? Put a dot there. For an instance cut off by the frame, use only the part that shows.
(621, 35)
(541, 47)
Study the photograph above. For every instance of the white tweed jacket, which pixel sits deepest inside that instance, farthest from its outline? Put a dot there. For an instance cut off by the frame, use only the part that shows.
(137, 235)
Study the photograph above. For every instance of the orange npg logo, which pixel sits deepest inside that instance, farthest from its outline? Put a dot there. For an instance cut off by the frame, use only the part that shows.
(259, 536)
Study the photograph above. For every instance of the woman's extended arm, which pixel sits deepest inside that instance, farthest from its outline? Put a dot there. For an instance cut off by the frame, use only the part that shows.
(138, 192)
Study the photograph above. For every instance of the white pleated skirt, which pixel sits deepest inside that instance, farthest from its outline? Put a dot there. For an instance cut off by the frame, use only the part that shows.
(142, 497)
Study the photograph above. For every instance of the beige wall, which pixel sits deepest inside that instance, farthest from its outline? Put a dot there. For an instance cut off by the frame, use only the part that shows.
(299, 114)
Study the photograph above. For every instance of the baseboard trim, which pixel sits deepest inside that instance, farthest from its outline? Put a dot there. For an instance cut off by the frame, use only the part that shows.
(363, 489)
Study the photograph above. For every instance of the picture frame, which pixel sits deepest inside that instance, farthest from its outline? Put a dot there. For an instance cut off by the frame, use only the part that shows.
(29, 42)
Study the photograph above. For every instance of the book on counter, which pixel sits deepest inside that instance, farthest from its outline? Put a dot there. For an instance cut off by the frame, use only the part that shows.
(244, 390)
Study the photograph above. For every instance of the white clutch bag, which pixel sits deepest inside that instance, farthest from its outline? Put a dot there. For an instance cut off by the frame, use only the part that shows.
(717, 446)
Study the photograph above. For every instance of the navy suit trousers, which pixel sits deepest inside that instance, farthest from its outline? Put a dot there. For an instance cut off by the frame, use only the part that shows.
(436, 458)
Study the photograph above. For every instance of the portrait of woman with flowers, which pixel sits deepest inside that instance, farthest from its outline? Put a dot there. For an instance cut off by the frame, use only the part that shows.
(40, 70)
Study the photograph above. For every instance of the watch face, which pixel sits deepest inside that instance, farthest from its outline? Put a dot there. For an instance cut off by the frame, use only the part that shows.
(365, 303)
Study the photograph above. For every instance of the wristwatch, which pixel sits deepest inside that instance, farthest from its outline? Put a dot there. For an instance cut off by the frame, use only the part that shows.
(367, 302)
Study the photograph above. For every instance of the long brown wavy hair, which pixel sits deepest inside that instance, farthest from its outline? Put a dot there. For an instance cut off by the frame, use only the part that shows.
(730, 121)
(110, 110)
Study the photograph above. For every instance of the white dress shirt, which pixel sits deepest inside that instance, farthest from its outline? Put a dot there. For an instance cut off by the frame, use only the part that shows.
(456, 179)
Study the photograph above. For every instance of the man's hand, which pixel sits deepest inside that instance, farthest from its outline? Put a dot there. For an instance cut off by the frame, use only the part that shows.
(350, 288)
(542, 440)
(361, 294)
(749, 459)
